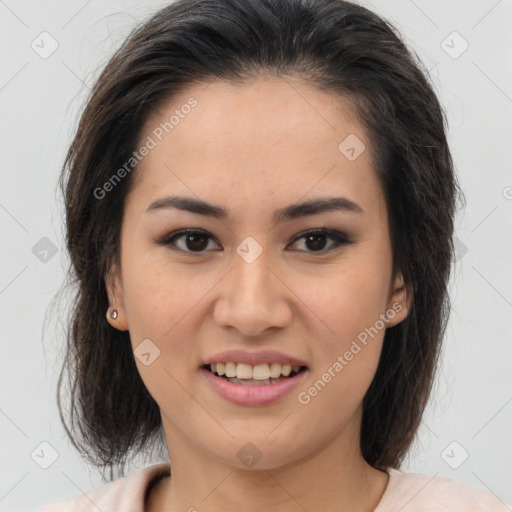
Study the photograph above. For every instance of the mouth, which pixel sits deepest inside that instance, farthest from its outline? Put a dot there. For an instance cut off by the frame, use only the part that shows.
(254, 375)
(252, 378)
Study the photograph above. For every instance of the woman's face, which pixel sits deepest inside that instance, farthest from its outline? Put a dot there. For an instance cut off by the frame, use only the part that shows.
(250, 280)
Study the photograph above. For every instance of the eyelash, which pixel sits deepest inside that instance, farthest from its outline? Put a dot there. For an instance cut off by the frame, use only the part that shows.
(339, 237)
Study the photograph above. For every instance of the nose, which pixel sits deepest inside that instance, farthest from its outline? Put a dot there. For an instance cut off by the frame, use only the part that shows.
(253, 298)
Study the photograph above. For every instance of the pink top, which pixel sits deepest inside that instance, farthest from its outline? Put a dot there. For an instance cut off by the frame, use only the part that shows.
(405, 492)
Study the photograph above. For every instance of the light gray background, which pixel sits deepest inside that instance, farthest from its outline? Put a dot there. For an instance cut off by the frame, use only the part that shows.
(40, 99)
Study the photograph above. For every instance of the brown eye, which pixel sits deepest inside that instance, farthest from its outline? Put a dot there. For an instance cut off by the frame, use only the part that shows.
(191, 241)
(316, 241)
(194, 241)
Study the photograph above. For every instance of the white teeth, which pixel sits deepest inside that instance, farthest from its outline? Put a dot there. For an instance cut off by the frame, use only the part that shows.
(275, 370)
(286, 370)
(261, 372)
(243, 371)
(230, 370)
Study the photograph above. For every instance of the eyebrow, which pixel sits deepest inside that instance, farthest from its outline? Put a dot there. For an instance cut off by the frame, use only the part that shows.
(290, 212)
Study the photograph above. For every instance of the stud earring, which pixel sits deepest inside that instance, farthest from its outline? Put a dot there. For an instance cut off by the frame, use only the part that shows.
(113, 314)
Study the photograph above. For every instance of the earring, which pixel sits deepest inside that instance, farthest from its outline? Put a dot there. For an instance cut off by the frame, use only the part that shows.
(113, 313)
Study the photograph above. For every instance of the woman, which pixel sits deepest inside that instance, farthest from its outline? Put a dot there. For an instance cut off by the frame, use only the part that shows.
(259, 205)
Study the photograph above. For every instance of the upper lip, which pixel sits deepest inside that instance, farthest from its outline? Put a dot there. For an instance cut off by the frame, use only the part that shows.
(254, 358)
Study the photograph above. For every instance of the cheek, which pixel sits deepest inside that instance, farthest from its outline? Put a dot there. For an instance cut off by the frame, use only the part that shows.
(156, 295)
(349, 335)
(163, 303)
(346, 361)
(347, 300)
(158, 302)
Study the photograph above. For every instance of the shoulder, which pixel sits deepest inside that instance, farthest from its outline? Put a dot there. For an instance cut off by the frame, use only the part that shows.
(417, 492)
(125, 494)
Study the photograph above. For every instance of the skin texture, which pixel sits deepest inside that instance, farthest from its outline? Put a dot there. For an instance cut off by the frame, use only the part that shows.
(252, 149)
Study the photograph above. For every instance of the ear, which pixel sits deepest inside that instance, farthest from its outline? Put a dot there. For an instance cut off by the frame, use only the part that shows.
(115, 294)
(399, 303)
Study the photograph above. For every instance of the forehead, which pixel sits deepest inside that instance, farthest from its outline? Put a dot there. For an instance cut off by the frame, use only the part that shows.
(269, 136)
(259, 113)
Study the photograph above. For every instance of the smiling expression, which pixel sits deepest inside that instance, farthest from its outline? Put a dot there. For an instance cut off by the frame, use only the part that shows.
(288, 259)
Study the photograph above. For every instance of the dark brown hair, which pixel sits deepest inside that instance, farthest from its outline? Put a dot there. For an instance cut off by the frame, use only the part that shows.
(334, 45)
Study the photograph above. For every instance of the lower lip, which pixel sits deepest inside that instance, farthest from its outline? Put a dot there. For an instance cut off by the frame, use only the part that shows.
(243, 394)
